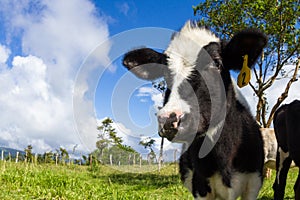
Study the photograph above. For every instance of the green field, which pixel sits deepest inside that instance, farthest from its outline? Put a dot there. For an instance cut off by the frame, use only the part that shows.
(28, 181)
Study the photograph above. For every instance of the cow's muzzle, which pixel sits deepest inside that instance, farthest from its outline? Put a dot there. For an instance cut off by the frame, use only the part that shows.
(168, 126)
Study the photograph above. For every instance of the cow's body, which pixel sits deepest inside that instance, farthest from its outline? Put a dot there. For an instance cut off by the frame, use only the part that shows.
(270, 149)
(287, 130)
(224, 155)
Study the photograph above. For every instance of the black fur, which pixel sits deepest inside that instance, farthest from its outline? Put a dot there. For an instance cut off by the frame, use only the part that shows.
(138, 62)
(287, 131)
(249, 41)
(240, 145)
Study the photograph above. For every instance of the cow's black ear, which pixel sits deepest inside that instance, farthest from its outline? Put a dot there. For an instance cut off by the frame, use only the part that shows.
(145, 63)
(250, 42)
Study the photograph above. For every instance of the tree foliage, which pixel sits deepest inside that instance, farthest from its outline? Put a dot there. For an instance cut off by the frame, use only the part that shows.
(28, 153)
(108, 141)
(108, 134)
(280, 21)
(48, 157)
(147, 143)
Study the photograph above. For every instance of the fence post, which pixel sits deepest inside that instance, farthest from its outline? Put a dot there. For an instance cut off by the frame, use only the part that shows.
(110, 159)
(56, 158)
(2, 155)
(133, 159)
(35, 158)
(140, 161)
(159, 163)
(17, 157)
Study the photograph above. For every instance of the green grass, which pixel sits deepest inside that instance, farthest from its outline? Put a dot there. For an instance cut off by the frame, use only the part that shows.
(27, 181)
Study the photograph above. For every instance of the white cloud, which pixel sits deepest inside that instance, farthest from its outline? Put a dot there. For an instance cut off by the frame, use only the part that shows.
(155, 95)
(36, 101)
(123, 8)
(4, 54)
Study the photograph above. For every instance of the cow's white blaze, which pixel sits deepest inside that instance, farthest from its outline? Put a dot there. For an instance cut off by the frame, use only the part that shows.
(282, 156)
(182, 56)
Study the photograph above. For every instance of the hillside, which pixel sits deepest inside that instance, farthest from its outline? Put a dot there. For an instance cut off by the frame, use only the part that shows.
(13, 152)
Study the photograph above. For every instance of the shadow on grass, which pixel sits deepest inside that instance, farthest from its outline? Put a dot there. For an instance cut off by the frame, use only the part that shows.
(149, 180)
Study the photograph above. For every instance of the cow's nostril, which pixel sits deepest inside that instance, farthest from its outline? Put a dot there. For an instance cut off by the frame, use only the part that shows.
(173, 115)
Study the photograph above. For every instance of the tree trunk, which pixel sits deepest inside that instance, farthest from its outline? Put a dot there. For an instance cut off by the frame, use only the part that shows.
(129, 158)
(160, 158)
(284, 95)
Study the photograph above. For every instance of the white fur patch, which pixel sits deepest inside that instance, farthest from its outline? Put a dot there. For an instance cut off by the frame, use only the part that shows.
(252, 185)
(246, 185)
(184, 48)
(283, 155)
(182, 56)
(219, 190)
(175, 103)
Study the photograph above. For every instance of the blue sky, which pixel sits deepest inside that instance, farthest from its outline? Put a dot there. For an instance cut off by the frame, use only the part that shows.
(129, 15)
(61, 72)
(45, 50)
(126, 15)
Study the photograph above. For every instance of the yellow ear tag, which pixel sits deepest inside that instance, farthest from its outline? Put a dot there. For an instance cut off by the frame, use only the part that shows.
(245, 74)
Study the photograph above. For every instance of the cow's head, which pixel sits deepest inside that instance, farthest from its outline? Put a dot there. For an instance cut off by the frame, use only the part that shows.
(194, 56)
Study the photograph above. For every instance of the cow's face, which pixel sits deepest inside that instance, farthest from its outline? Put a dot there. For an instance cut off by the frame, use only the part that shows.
(196, 67)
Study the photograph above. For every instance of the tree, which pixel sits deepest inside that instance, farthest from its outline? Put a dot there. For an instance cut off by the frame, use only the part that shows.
(28, 153)
(280, 21)
(48, 157)
(148, 143)
(107, 136)
(63, 154)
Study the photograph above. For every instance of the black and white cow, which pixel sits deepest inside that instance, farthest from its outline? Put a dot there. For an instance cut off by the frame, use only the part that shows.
(224, 156)
(287, 130)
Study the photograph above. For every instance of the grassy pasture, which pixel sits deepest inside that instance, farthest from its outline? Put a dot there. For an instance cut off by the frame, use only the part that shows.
(28, 181)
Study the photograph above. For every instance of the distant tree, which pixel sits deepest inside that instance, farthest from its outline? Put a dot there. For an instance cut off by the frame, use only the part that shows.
(107, 136)
(107, 129)
(160, 85)
(280, 21)
(101, 144)
(40, 159)
(85, 159)
(28, 153)
(148, 143)
(49, 157)
(64, 155)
